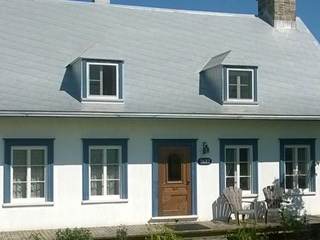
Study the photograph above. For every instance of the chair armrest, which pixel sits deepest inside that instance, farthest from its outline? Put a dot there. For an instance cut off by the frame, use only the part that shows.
(228, 204)
(248, 201)
(285, 204)
(253, 204)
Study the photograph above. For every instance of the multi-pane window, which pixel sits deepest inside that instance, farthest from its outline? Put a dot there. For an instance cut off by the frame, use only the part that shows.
(240, 84)
(297, 160)
(238, 162)
(105, 170)
(28, 171)
(102, 79)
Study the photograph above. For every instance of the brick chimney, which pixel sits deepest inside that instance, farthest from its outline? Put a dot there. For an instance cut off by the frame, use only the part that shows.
(281, 14)
(102, 1)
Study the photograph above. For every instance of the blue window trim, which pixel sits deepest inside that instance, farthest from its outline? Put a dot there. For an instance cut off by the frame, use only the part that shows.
(298, 141)
(84, 76)
(124, 162)
(253, 142)
(225, 85)
(28, 142)
(156, 143)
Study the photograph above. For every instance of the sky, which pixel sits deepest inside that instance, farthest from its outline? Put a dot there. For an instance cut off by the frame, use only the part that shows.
(307, 10)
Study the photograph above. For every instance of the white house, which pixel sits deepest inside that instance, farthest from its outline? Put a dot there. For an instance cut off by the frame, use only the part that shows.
(106, 111)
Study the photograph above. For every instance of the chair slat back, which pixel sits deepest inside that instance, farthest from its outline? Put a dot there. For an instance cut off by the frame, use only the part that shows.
(234, 197)
(273, 195)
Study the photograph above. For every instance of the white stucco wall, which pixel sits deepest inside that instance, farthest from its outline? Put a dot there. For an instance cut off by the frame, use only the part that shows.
(68, 210)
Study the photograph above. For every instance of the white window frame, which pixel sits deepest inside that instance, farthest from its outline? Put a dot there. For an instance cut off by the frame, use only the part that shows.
(295, 168)
(237, 163)
(104, 195)
(101, 96)
(241, 100)
(29, 199)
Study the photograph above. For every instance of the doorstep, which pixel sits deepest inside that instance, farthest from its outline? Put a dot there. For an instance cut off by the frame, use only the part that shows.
(174, 219)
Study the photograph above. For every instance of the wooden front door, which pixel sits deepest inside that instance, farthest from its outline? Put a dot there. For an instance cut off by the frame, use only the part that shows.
(174, 180)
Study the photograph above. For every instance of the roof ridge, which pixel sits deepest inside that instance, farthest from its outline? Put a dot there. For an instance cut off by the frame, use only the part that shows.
(192, 12)
(156, 9)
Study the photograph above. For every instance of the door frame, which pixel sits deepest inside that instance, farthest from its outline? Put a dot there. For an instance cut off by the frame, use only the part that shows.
(156, 143)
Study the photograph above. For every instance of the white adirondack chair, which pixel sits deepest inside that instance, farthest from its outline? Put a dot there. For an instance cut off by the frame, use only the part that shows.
(234, 199)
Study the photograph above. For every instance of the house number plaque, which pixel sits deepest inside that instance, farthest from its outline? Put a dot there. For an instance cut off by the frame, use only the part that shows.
(204, 161)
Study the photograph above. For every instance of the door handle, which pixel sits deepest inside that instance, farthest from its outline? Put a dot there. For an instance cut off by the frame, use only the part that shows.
(188, 182)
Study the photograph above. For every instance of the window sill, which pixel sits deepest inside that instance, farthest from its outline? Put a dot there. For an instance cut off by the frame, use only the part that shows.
(289, 194)
(102, 100)
(31, 204)
(236, 103)
(104, 201)
(250, 196)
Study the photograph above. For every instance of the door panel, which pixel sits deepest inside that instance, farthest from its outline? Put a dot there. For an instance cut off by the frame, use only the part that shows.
(174, 166)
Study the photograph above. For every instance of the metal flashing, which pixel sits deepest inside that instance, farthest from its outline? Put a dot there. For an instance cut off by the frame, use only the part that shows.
(159, 115)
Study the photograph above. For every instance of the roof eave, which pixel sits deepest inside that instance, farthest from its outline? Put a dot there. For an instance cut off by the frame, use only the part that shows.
(158, 115)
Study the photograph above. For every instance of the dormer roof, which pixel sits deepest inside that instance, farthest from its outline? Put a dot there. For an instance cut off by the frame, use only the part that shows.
(230, 58)
(97, 51)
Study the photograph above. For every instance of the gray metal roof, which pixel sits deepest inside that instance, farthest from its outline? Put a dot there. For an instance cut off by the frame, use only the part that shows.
(163, 52)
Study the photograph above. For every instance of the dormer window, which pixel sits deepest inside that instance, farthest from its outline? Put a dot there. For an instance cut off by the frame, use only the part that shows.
(102, 81)
(240, 84)
(230, 78)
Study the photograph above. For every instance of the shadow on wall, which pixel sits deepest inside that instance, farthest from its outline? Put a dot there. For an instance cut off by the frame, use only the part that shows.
(294, 196)
(221, 210)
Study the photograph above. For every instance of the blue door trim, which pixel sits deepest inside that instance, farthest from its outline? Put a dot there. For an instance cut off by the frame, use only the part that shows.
(156, 143)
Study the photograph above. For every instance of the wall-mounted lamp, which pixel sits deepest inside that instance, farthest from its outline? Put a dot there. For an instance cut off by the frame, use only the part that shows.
(205, 148)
